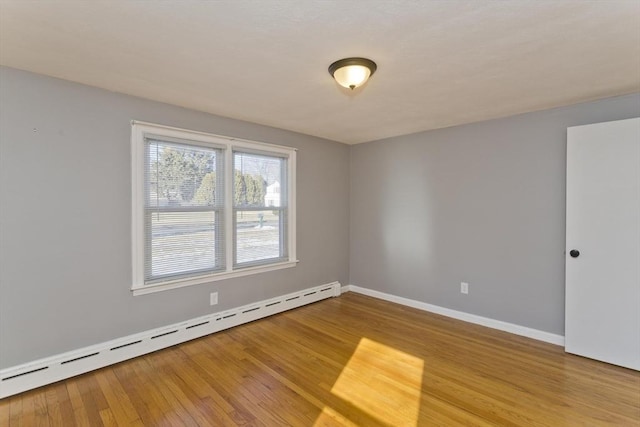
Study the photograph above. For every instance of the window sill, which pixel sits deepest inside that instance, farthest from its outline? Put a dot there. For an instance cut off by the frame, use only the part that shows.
(148, 289)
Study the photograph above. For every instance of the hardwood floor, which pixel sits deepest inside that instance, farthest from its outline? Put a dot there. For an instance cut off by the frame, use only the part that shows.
(353, 361)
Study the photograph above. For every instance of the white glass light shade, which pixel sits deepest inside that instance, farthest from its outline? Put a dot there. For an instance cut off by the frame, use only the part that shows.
(352, 76)
(352, 72)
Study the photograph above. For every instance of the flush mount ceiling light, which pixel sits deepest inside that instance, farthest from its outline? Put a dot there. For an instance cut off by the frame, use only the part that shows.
(352, 72)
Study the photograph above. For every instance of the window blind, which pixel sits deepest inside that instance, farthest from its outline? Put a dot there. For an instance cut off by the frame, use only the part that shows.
(184, 202)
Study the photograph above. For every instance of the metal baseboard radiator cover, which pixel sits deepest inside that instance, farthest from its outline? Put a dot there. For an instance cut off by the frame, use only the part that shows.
(35, 374)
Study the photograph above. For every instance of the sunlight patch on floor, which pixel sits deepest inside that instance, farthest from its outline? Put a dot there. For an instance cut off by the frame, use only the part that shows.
(383, 382)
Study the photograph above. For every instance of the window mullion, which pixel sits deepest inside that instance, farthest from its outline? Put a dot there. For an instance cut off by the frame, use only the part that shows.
(229, 234)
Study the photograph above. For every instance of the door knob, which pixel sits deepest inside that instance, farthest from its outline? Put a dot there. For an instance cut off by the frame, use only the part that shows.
(574, 253)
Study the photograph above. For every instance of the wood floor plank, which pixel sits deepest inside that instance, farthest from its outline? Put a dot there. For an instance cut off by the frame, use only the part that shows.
(53, 408)
(108, 419)
(79, 411)
(5, 412)
(66, 408)
(347, 361)
(15, 411)
(28, 414)
(122, 410)
(171, 411)
(231, 376)
(181, 392)
(199, 390)
(91, 401)
(148, 410)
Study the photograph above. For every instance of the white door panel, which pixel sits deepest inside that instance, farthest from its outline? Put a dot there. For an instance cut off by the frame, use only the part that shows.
(602, 312)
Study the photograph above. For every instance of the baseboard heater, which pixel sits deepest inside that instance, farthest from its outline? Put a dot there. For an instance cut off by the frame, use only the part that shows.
(55, 368)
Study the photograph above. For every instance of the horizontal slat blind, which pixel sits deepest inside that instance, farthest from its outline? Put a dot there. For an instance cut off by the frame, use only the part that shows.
(184, 202)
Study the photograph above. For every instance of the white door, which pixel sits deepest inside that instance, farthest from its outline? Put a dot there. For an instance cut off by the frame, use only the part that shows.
(602, 307)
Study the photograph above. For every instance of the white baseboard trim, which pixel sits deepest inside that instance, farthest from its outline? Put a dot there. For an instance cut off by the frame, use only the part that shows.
(461, 315)
(31, 375)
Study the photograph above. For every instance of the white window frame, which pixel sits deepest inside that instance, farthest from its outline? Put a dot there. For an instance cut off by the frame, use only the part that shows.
(140, 131)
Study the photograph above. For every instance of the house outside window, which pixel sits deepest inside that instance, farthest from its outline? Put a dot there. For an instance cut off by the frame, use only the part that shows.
(272, 196)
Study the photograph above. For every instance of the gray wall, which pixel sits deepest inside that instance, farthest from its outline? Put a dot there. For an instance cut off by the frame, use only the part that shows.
(65, 191)
(482, 203)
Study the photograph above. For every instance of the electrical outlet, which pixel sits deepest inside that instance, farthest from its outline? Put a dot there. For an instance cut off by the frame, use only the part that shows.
(213, 298)
(464, 288)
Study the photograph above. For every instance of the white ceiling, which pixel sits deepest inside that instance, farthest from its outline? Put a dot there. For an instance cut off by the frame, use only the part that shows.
(440, 63)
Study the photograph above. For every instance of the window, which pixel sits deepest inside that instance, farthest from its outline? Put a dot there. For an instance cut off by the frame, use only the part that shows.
(183, 210)
(206, 207)
(260, 214)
